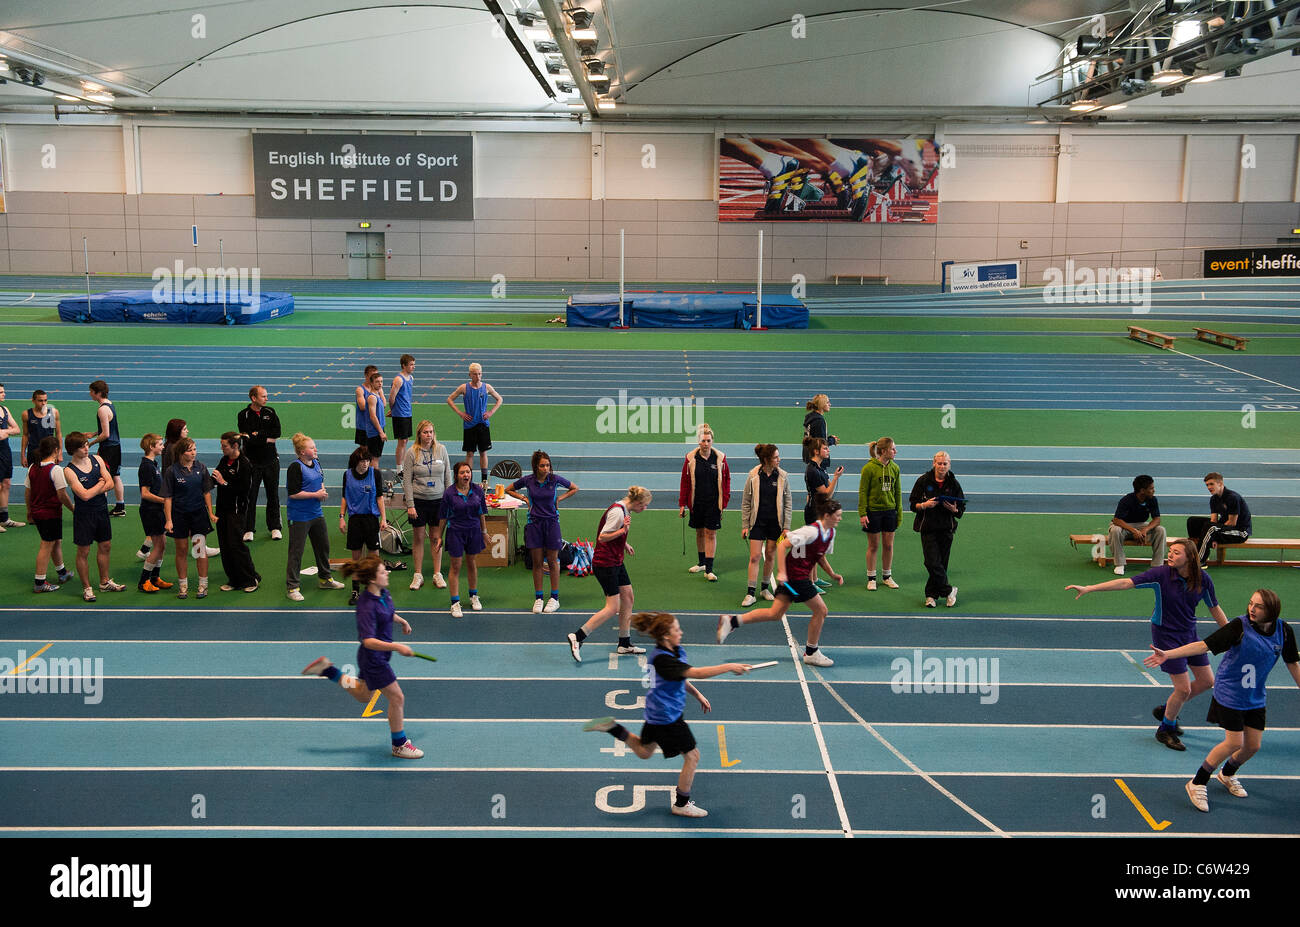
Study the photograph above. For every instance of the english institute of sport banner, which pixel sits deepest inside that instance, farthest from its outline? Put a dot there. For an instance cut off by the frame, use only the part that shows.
(840, 179)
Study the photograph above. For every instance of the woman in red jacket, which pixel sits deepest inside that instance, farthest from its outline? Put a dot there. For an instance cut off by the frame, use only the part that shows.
(705, 493)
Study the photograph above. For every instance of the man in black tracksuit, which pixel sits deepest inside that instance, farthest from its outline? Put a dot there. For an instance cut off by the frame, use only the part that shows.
(259, 426)
(938, 501)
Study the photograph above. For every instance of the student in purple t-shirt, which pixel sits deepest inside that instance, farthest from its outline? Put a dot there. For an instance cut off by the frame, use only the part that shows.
(1179, 585)
(542, 533)
(463, 518)
(375, 619)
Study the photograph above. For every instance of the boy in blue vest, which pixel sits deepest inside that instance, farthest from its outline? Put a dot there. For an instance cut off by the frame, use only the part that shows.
(476, 417)
(1253, 643)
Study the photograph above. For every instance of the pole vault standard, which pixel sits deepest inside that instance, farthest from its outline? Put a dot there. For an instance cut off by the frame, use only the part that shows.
(758, 319)
(85, 255)
(620, 279)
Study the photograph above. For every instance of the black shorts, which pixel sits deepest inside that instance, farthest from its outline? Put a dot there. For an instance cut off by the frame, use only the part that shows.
(611, 578)
(765, 530)
(376, 446)
(363, 531)
(153, 519)
(111, 454)
(886, 521)
(6, 463)
(90, 525)
(672, 738)
(50, 529)
(798, 590)
(187, 524)
(359, 437)
(426, 513)
(478, 438)
(707, 516)
(1234, 719)
(809, 516)
(401, 426)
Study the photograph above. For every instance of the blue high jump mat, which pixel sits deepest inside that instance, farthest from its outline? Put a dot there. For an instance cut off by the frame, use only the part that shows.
(196, 308)
(684, 310)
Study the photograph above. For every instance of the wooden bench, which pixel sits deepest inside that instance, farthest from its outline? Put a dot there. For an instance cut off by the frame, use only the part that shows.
(1149, 337)
(1209, 335)
(1281, 545)
(863, 279)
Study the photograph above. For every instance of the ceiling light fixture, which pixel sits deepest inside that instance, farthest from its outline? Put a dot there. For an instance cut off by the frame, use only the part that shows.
(581, 18)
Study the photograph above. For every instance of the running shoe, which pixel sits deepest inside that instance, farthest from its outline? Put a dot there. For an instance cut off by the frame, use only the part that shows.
(142, 554)
(88, 594)
(952, 597)
(748, 600)
(45, 587)
(352, 599)
(117, 512)
(552, 605)
(408, 751)
(788, 178)
(248, 536)
(600, 724)
(1232, 784)
(475, 604)
(630, 648)
(456, 610)
(252, 588)
(20, 524)
(1170, 739)
(871, 585)
(438, 581)
(161, 583)
(226, 587)
(183, 594)
(711, 577)
(148, 586)
(858, 184)
(276, 535)
(767, 595)
(317, 666)
(929, 602)
(697, 568)
(575, 648)
(417, 581)
(889, 581)
(330, 583)
(203, 591)
(817, 658)
(109, 586)
(295, 595)
(538, 605)
(689, 810)
(1200, 801)
(724, 627)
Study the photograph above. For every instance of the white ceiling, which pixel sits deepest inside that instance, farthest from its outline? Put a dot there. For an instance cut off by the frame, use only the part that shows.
(668, 58)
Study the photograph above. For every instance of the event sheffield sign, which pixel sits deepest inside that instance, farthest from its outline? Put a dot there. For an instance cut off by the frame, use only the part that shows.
(368, 176)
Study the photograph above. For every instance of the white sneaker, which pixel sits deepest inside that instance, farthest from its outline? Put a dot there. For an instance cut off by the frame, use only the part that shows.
(711, 577)
(1197, 794)
(1119, 571)
(330, 583)
(537, 606)
(438, 581)
(889, 581)
(417, 581)
(141, 555)
(575, 648)
(475, 604)
(767, 595)
(226, 587)
(212, 551)
(295, 595)
(817, 658)
(276, 535)
(248, 536)
(15, 524)
(603, 725)
(552, 605)
(689, 810)
(952, 597)
(109, 586)
(871, 585)
(698, 568)
(630, 649)
(747, 601)
(408, 751)
(724, 627)
(456, 610)
(930, 603)
(1232, 784)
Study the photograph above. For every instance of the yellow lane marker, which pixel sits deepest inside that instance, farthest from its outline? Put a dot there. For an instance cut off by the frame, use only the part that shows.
(722, 748)
(377, 711)
(21, 667)
(1138, 805)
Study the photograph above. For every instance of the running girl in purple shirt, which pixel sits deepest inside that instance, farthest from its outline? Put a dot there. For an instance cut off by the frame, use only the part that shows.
(542, 533)
(1179, 585)
(375, 619)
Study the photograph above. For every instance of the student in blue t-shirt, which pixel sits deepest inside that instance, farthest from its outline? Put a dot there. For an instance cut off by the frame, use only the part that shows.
(1253, 643)
(477, 417)
(375, 619)
(542, 533)
(399, 404)
(1179, 585)
(665, 721)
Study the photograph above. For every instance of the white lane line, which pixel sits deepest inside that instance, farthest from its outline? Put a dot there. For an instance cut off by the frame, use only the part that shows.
(817, 731)
(1234, 370)
(907, 762)
(1151, 679)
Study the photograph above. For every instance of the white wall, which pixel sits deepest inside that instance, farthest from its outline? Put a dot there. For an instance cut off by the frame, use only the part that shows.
(86, 159)
(1000, 168)
(683, 166)
(191, 160)
(532, 166)
(1127, 168)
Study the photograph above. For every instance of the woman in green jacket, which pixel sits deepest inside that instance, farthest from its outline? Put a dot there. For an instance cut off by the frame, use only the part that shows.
(880, 506)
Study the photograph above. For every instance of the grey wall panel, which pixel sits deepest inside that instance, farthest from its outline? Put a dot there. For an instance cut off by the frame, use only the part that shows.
(82, 220)
(402, 266)
(324, 265)
(460, 267)
(40, 262)
(283, 225)
(39, 220)
(640, 246)
(403, 243)
(561, 246)
(101, 262)
(179, 223)
(907, 248)
(563, 227)
(41, 239)
(688, 211)
(428, 226)
(669, 228)
(853, 248)
(447, 243)
(166, 204)
(18, 202)
(224, 206)
(504, 227)
(561, 210)
(163, 240)
(1094, 213)
(99, 239)
(329, 243)
(1016, 212)
(631, 211)
(630, 227)
(487, 246)
(518, 268)
(285, 265)
(687, 270)
(95, 204)
(969, 230)
(870, 268)
(795, 247)
(1213, 212)
(569, 267)
(688, 246)
(904, 271)
(505, 209)
(281, 243)
(1163, 213)
(1284, 213)
(968, 212)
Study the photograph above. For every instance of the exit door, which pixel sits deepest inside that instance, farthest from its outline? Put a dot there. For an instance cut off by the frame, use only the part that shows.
(365, 255)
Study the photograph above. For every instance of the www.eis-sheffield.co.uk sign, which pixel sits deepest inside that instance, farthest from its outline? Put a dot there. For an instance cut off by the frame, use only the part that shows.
(368, 176)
